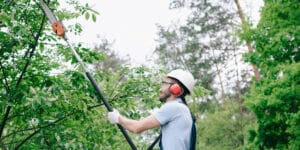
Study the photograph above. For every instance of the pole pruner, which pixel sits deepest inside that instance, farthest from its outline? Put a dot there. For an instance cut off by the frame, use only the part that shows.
(59, 29)
(56, 25)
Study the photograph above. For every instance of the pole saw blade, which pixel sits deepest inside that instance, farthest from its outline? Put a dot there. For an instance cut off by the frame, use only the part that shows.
(56, 25)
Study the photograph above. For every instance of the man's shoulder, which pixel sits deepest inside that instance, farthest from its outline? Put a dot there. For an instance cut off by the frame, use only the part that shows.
(173, 106)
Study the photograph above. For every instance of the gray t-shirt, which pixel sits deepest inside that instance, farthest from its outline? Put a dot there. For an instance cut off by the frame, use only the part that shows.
(176, 123)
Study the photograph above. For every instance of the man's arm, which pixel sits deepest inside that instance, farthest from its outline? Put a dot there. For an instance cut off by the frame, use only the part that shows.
(139, 126)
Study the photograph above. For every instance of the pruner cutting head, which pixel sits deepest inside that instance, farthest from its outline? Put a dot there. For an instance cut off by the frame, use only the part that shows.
(56, 25)
(58, 28)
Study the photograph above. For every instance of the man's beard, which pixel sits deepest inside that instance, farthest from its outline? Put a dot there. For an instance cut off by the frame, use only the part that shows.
(164, 97)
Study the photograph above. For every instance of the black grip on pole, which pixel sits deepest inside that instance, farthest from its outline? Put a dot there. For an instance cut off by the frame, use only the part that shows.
(105, 102)
(109, 108)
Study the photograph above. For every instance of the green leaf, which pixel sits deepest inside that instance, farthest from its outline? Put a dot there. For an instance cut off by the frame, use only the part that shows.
(42, 47)
(87, 16)
(94, 17)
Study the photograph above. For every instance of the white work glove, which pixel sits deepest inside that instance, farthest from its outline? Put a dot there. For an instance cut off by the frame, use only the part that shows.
(113, 116)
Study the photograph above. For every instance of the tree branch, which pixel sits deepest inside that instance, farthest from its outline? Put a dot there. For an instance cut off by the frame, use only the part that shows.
(5, 79)
(38, 130)
(23, 72)
(46, 126)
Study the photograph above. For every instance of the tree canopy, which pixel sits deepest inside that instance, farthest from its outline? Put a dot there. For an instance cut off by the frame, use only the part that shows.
(275, 99)
(46, 101)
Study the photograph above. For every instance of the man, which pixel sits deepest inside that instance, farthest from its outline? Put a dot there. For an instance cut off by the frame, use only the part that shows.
(174, 116)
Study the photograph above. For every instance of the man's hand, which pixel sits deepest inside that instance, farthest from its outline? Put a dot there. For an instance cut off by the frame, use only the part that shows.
(113, 116)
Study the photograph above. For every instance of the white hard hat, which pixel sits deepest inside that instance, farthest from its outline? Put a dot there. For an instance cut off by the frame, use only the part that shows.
(185, 77)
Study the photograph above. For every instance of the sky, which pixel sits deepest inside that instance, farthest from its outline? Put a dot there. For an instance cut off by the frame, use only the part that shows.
(131, 24)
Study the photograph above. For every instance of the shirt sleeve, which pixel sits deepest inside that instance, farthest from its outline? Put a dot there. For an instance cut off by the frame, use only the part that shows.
(165, 114)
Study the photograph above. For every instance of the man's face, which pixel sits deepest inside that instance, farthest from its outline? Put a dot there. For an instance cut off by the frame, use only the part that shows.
(164, 89)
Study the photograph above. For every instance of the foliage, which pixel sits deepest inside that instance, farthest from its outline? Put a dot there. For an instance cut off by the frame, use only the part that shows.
(45, 105)
(113, 60)
(204, 44)
(277, 35)
(36, 105)
(275, 99)
(225, 128)
(208, 46)
(46, 100)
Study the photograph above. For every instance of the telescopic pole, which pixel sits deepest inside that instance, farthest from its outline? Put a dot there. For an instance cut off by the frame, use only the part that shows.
(58, 27)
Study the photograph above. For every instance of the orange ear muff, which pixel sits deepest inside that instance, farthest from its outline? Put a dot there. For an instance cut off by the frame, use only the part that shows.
(175, 89)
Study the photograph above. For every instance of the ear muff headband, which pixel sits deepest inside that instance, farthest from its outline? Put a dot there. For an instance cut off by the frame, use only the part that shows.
(175, 89)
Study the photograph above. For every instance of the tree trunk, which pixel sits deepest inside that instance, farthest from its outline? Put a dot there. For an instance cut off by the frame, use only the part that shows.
(220, 78)
(250, 49)
(238, 98)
